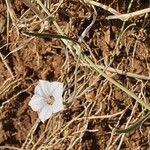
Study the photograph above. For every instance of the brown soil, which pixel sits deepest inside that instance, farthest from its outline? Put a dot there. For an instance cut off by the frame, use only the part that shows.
(29, 59)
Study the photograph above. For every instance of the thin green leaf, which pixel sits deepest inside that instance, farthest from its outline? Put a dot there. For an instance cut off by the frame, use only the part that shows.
(49, 36)
(135, 125)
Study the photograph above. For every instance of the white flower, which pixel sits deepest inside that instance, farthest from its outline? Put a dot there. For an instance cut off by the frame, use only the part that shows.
(47, 99)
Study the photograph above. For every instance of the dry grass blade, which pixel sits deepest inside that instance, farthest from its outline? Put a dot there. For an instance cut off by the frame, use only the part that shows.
(10, 147)
(126, 17)
(34, 9)
(84, 33)
(105, 7)
(125, 73)
(102, 117)
(30, 135)
(11, 11)
(5, 63)
(13, 17)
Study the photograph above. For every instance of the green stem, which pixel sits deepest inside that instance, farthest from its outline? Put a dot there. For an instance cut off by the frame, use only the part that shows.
(117, 84)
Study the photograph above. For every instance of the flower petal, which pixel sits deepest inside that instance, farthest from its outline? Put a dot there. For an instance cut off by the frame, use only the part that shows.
(42, 88)
(56, 89)
(37, 102)
(58, 104)
(45, 113)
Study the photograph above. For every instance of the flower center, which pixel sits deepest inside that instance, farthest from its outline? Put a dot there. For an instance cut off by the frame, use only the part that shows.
(50, 100)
